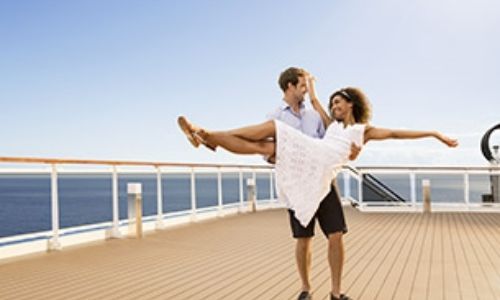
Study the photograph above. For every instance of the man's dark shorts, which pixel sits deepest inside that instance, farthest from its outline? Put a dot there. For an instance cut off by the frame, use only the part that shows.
(330, 216)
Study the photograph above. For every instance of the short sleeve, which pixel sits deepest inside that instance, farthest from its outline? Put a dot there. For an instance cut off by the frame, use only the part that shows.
(273, 115)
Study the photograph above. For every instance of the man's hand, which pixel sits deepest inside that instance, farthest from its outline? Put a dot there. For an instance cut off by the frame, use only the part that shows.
(271, 158)
(355, 149)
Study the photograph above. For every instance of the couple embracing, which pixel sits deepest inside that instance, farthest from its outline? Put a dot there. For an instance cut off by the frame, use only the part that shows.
(309, 147)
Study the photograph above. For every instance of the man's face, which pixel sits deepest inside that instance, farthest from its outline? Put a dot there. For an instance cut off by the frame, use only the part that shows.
(299, 91)
(340, 108)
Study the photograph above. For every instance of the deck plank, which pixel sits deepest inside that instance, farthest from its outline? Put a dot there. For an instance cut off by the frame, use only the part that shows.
(407, 279)
(384, 278)
(391, 283)
(477, 261)
(251, 256)
(490, 252)
(372, 255)
(435, 285)
(451, 282)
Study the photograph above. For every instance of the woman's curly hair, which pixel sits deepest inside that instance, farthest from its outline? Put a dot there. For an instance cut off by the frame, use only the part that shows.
(361, 108)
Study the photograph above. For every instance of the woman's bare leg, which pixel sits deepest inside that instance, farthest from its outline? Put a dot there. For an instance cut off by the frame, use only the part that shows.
(236, 144)
(245, 140)
(257, 132)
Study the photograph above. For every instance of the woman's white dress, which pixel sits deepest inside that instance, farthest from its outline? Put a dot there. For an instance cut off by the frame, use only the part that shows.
(306, 166)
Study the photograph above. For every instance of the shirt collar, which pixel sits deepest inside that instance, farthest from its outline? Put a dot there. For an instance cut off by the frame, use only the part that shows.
(286, 106)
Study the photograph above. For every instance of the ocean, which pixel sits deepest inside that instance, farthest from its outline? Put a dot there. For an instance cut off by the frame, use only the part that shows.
(446, 188)
(87, 199)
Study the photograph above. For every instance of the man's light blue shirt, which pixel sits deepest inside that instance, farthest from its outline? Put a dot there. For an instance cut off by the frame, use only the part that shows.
(308, 121)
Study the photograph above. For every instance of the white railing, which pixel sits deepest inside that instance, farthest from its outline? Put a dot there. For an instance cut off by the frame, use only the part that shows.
(57, 237)
(51, 240)
(351, 175)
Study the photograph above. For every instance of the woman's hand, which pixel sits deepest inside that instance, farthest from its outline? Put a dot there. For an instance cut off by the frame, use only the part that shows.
(447, 140)
(311, 87)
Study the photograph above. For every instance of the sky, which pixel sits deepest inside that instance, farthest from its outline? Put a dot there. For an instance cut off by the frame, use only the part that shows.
(107, 79)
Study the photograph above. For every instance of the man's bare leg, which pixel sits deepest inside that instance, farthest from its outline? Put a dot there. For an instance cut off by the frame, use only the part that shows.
(336, 260)
(303, 257)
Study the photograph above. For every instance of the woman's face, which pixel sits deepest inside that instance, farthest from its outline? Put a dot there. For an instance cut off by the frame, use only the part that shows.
(340, 108)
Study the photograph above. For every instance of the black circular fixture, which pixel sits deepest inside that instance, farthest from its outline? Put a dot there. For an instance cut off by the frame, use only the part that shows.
(485, 143)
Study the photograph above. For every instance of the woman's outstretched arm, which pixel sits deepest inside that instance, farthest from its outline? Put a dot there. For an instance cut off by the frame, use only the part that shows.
(374, 133)
(315, 101)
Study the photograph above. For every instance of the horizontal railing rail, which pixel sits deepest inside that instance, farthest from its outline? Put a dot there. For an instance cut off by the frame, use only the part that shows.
(427, 168)
(70, 161)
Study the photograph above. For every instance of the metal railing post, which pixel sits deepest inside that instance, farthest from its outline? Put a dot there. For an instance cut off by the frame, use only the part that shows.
(271, 185)
(347, 186)
(241, 191)
(115, 227)
(219, 192)
(254, 177)
(53, 243)
(360, 189)
(466, 190)
(193, 196)
(159, 200)
(413, 189)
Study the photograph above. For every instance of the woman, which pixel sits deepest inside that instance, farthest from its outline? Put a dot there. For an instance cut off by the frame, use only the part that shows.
(305, 166)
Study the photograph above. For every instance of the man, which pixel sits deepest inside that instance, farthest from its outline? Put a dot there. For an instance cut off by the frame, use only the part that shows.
(293, 83)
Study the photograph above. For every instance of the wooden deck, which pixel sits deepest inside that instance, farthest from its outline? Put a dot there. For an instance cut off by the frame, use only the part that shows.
(251, 256)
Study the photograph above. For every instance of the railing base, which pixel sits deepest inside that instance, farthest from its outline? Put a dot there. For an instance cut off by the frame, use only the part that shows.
(220, 214)
(113, 233)
(159, 225)
(53, 245)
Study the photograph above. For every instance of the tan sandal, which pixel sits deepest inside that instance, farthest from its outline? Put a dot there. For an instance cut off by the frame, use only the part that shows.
(188, 130)
(201, 137)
